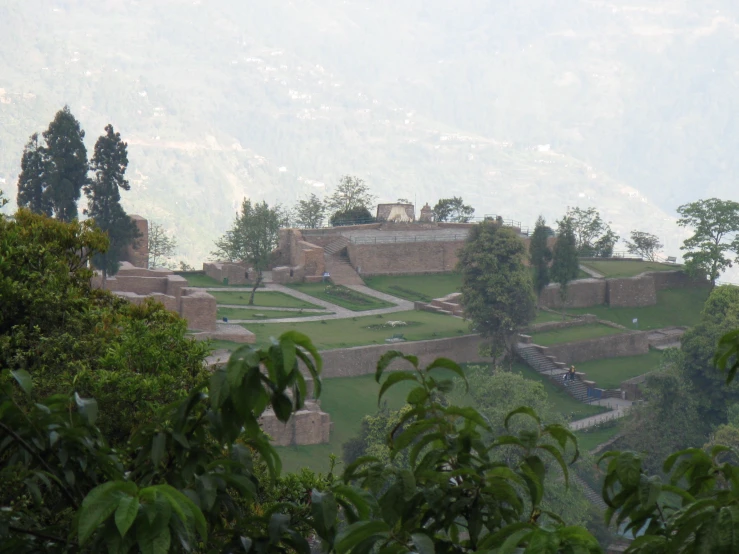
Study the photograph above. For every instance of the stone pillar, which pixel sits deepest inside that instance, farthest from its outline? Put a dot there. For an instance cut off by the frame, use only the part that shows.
(138, 252)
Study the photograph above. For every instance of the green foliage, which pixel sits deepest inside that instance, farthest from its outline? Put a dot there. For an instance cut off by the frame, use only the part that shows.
(714, 242)
(496, 286)
(109, 165)
(540, 255)
(565, 266)
(720, 316)
(352, 216)
(453, 209)
(310, 213)
(351, 194)
(594, 238)
(644, 245)
(34, 178)
(67, 164)
(161, 245)
(252, 238)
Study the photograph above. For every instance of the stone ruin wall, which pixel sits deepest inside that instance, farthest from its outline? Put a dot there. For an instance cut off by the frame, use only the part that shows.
(405, 257)
(137, 254)
(234, 272)
(296, 260)
(612, 346)
(138, 284)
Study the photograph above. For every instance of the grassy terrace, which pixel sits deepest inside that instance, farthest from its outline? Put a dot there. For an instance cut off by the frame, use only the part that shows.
(610, 373)
(358, 331)
(572, 334)
(260, 313)
(269, 299)
(342, 296)
(674, 307)
(423, 288)
(202, 280)
(589, 439)
(609, 268)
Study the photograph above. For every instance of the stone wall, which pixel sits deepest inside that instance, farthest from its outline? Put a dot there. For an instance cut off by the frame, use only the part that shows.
(612, 346)
(583, 293)
(587, 319)
(234, 273)
(362, 360)
(199, 309)
(631, 292)
(297, 257)
(138, 252)
(677, 280)
(404, 257)
(307, 426)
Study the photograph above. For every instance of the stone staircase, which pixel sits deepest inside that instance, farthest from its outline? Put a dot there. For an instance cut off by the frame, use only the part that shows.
(592, 496)
(546, 365)
(446, 305)
(336, 246)
(341, 270)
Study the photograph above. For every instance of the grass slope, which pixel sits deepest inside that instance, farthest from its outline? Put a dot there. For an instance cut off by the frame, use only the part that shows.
(347, 298)
(627, 269)
(202, 280)
(423, 288)
(269, 299)
(342, 333)
(259, 313)
(589, 439)
(572, 334)
(610, 373)
(674, 307)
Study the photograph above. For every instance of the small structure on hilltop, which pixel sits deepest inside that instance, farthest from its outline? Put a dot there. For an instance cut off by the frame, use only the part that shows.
(228, 273)
(396, 213)
(427, 214)
(137, 253)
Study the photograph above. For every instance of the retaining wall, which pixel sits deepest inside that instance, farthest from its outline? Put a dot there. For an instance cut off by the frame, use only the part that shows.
(405, 257)
(362, 360)
(612, 346)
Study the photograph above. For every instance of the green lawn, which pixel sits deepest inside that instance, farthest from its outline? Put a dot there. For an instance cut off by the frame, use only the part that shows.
(342, 296)
(423, 288)
(610, 373)
(342, 333)
(588, 440)
(546, 317)
(261, 298)
(347, 400)
(258, 313)
(674, 307)
(562, 402)
(627, 269)
(572, 334)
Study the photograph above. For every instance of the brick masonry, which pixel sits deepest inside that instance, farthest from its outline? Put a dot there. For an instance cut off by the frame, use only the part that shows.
(235, 274)
(138, 252)
(405, 257)
(296, 260)
(612, 346)
(310, 425)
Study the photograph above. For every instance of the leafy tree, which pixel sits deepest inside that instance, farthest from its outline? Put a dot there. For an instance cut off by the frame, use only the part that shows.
(644, 245)
(720, 315)
(34, 178)
(497, 295)
(540, 255)
(184, 266)
(251, 239)
(109, 164)
(67, 156)
(3, 200)
(310, 213)
(714, 242)
(593, 236)
(131, 358)
(453, 209)
(351, 193)
(353, 216)
(565, 266)
(161, 245)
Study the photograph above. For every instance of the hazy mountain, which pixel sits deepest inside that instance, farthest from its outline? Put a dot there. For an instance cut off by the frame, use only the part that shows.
(519, 106)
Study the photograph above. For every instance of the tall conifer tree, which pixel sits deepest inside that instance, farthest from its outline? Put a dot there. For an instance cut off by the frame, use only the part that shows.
(565, 265)
(67, 155)
(109, 164)
(540, 255)
(34, 178)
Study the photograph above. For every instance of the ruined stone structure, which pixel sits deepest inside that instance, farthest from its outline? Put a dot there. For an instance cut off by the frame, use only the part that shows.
(137, 253)
(396, 213)
(226, 272)
(427, 214)
(296, 260)
(196, 306)
(624, 292)
(310, 425)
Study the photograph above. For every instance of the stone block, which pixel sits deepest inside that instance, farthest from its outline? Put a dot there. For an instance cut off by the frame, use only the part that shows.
(199, 309)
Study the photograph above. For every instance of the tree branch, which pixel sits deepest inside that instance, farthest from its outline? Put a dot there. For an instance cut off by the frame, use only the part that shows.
(38, 534)
(28, 448)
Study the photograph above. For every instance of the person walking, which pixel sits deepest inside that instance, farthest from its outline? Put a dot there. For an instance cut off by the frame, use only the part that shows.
(572, 373)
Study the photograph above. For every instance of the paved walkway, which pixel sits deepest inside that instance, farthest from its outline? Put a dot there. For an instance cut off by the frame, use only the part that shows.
(618, 409)
(338, 312)
(594, 274)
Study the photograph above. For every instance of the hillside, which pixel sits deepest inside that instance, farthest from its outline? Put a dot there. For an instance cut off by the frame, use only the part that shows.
(519, 109)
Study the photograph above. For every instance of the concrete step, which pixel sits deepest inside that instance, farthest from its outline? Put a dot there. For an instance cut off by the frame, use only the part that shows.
(336, 246)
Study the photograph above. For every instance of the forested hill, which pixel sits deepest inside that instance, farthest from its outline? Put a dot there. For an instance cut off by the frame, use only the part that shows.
(519, 107)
